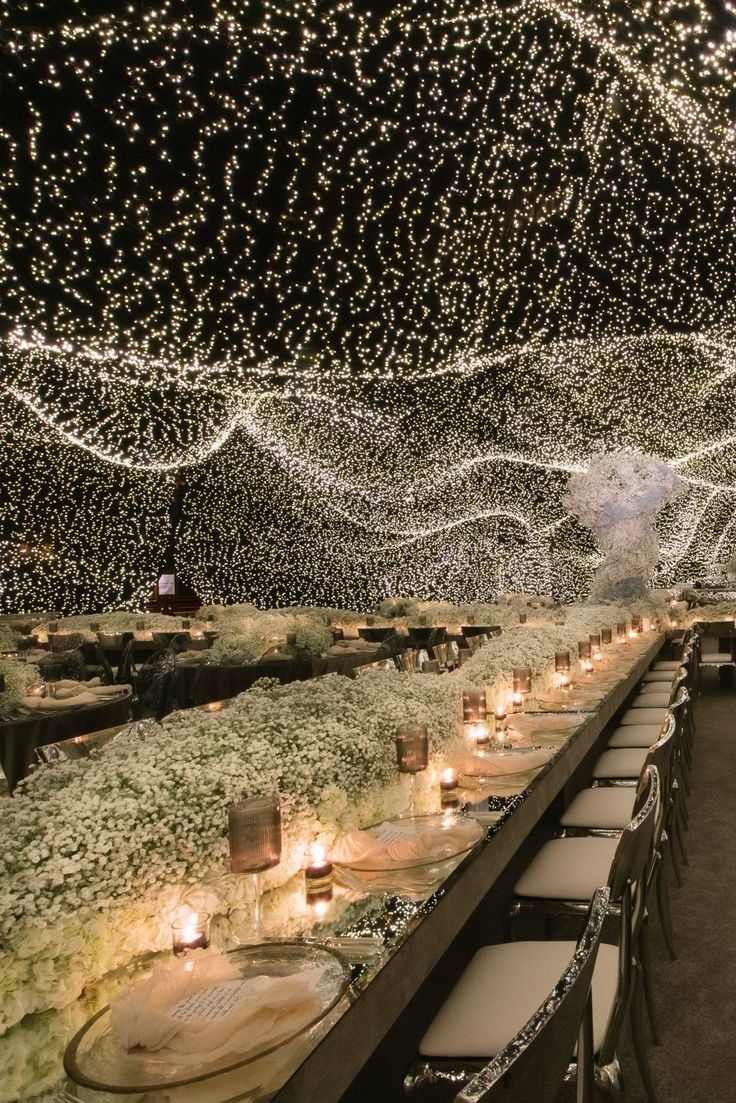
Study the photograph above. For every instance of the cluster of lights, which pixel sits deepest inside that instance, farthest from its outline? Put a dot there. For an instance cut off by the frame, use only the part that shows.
(377, 281)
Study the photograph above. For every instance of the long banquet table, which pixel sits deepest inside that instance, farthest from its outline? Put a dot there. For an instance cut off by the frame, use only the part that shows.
(417, 934)
(327, 1073)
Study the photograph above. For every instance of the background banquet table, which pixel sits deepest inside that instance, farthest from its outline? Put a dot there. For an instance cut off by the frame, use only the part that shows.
(199, 683)
(19, 738)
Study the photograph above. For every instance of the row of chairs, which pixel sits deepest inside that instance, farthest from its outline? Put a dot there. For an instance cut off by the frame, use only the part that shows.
(521, 1019)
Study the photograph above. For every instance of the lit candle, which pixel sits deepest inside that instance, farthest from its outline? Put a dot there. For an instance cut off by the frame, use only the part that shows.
(213, 706)
(500, 715)
(318, 875)
(565, 682)
(191, 933)
(597, 656)
(449, 796)
(587, 666)
(517, 702)
(621, 632)
(478, 733)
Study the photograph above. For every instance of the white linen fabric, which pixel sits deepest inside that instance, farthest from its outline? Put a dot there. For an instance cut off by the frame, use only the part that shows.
(267, 1008)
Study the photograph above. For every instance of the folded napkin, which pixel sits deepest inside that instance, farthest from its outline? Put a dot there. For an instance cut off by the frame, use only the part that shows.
(508, 762)
(366, 851)
(201, 1005)
(58, 704)
(195, 656)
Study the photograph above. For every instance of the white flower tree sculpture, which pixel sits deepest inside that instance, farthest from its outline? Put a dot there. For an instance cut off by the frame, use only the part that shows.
(618, 498)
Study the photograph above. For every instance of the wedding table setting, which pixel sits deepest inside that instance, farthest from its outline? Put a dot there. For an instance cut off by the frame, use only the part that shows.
(396, 805)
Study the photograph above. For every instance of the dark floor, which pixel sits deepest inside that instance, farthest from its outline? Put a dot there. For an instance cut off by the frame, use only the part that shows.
(696, 995)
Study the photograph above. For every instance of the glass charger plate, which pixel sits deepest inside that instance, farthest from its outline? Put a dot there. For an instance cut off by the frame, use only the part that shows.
(93, 1058)
(464, 837)
(497, 765)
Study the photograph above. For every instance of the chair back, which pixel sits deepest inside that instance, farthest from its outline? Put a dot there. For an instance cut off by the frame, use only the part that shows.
(154, 686)
(534, 1063)
(637, 839)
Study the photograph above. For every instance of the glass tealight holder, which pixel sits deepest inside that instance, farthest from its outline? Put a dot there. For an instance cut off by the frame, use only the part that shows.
(584, 649)
(587, 665)
(637, 624)
(621, 633)
(517, 702)
(522, 618)
(565, 681)
(190, 933)
(140, 626)
(595, 641)
(254, 834)
(449, 791)
(606, 636)
(412, 755)
(318, 871)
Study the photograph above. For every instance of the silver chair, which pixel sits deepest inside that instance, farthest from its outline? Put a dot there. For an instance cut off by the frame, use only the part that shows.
(561, 879)
(531, 1049)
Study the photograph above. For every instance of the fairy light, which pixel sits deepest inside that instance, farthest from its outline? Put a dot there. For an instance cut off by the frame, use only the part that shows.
(377, 280)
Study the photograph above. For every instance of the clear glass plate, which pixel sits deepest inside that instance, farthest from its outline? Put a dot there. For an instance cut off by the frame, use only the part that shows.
(94, 1059)
(416, 825)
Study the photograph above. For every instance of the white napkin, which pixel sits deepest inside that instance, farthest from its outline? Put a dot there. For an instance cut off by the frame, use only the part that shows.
(510, 762)
(194, 656)
(359, 848)
(261, 1010)
(58, 704)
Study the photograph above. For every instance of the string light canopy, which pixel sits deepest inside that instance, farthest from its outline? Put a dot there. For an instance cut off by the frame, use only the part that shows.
(379, 276)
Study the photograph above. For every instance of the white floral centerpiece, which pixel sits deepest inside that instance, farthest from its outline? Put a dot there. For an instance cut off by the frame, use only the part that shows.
(618, 498)
(17, 678)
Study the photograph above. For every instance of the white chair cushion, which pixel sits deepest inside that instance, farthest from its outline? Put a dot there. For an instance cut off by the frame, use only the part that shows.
(716, 660)
(644, 716)
(624, 762)
(500, 990)
(667, 664)
(608, 808)
(568, 869)
(659, 676)
(635, 735)
(651, 701)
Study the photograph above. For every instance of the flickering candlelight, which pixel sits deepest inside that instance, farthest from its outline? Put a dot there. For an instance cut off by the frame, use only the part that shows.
(500, 715)
(587, 666)
(318, 873)
(449, 795)
(190, 933)
(517, 702)
(478, 733)
(565, 681)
